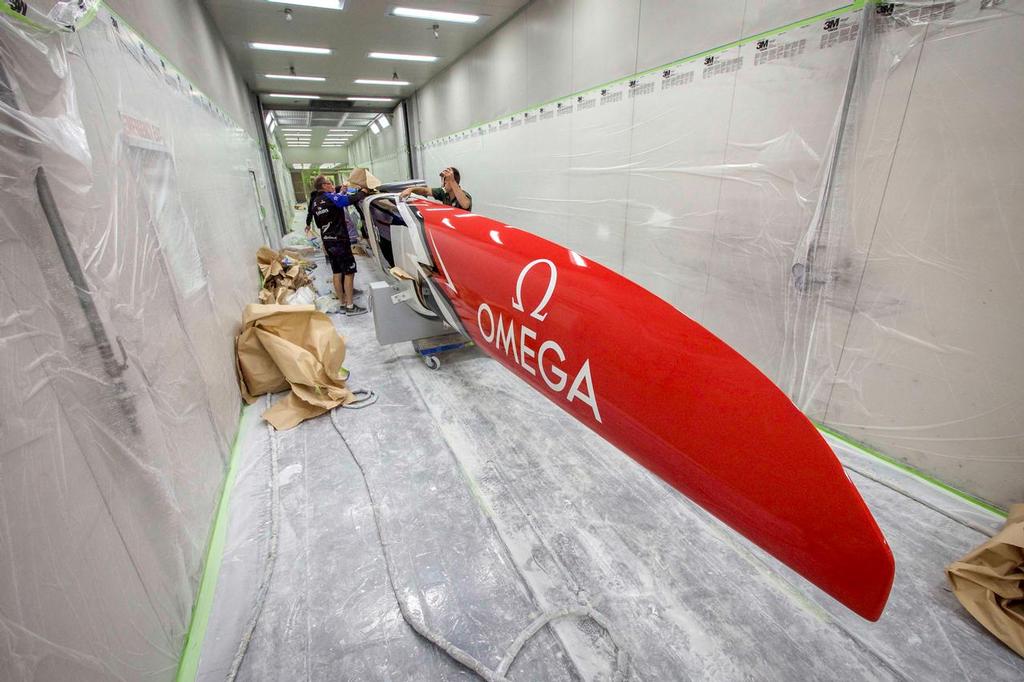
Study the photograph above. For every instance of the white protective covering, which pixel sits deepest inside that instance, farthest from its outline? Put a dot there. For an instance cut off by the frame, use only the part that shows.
(129, 221)
(833, 196)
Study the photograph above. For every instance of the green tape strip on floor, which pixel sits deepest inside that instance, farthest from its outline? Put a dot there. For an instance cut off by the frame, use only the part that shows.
(838, 11)
(189, 664)
(906, 468)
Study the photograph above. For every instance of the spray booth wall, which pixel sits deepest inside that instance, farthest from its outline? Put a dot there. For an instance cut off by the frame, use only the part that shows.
(879, 286)
(386, 154)
(129, 219)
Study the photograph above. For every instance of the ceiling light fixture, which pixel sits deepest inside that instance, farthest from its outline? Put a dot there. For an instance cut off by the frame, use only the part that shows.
(456, 17)
(297, 130)
(374, 128)
(282, 76)
(321, 4)
(302, 49)
(403, 57)
(371, 81)
(278, 94)
(383, 121)
(370, 99)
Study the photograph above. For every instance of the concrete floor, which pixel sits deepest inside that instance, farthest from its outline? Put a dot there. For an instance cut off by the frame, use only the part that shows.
(496, 506)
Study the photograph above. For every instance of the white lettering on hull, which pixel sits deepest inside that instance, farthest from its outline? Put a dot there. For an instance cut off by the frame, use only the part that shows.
(549, 356)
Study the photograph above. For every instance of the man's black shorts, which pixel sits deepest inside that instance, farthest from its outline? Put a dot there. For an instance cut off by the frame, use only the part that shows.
(341, 259)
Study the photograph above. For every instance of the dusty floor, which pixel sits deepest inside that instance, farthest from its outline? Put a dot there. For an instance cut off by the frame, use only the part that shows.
(495, 506)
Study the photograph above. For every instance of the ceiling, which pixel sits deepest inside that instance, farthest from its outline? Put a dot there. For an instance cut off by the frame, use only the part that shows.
(363, 26)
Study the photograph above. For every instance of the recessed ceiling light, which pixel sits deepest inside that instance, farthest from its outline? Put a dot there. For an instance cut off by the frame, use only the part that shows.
(342, 130)
(277, 94)
(286, 77)
(403, 57)
(322, 4)
(383, 121)
(371, 81)
(297, 130)
(413, 13)
(374, 128)
(370, 99)
(274, 47)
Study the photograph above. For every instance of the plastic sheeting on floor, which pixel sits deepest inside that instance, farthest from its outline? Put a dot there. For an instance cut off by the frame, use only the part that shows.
(496, 506)
(121, 238)
(866, 257)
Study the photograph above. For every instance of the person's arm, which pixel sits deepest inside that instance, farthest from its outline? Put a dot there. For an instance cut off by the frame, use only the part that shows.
(309, 213)
(422, 190)
(338, 199)
(464, 201)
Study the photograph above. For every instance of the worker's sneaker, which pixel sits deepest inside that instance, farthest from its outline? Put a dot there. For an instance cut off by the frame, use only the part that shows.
(354, 310)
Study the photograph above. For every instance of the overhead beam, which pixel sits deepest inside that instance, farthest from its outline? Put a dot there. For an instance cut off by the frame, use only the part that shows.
(329, 105)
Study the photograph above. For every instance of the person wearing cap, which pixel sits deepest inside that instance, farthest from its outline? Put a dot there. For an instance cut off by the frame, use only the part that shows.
(329, 214)
(450, 193)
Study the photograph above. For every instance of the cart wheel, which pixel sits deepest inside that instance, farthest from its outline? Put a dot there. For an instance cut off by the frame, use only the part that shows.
(432, 362)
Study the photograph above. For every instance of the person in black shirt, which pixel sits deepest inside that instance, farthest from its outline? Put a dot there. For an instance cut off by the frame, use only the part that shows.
(328, 210)
(309, 208)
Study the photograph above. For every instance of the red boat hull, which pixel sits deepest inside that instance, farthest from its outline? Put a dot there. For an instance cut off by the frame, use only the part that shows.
(666, 392)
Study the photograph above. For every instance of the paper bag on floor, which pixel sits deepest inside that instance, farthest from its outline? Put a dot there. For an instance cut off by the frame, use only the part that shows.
(283, 274)
(989, 582)
(291, 346)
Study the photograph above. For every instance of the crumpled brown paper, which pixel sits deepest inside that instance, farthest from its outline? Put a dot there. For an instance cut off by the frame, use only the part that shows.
(279, 281)
(989, 582)
(291, 346)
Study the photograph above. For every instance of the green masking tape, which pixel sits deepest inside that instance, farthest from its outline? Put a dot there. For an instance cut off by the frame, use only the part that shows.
(188, 667)
(868, 450)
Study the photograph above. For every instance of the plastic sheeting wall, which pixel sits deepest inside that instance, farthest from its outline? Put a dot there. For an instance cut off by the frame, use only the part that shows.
(386, 154)
(128, 219)
(879, 286)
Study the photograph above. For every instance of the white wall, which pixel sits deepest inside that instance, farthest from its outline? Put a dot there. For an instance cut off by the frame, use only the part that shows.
(117, 389)
(386, 154)
(183, 31)
(708, 193)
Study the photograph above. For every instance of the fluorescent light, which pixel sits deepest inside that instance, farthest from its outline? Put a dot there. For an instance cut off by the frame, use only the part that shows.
(371, 81)
(269, 117)
(273, 125)
(278, 94)
(413, 13)
(383, 122)
(286, 77)
(374, 128)
(322, 4)
(276, 47)
(403, 57)
(297, 130)
(342, 130)
(370, 99)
